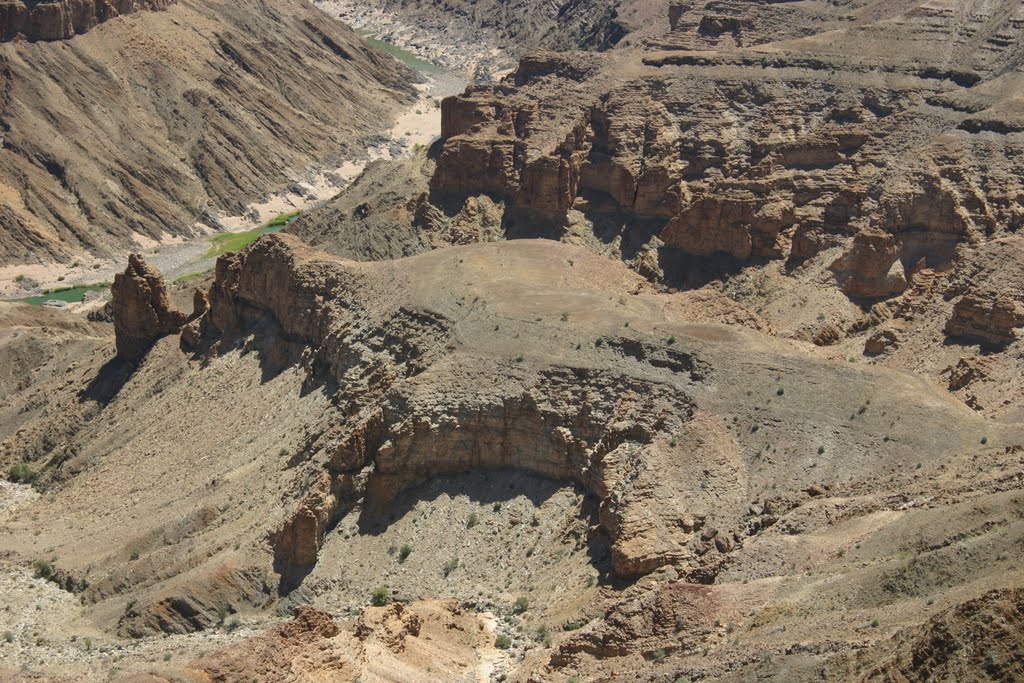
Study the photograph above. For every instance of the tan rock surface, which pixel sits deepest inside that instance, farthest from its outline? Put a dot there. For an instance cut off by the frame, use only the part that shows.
(141, 309)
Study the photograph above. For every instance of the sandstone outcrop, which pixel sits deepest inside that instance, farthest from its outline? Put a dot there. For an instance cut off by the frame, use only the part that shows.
(61, 19)
(715, 143)
(141, 309)
(613, 433)
(994, 318)
(659, 476)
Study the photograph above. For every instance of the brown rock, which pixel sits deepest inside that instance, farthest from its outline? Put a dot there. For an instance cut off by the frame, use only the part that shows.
(881, 341)
(61, 19)
(967, 371)
(724, 543)
(142, 311)
(989, 317)
(871, 267)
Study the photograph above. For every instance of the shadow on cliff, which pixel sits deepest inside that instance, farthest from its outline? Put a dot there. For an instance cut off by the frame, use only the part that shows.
(108, 382)
(489, 488)
(274, 350)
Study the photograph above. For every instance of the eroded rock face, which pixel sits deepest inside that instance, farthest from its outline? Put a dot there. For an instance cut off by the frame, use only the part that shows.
(587, 427)
(61, 19)
(711, 146)
(994, 318)
(292, 69)
(142, 310)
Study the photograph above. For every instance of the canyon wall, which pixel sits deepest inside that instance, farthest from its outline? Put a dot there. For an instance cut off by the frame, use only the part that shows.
(61, 19)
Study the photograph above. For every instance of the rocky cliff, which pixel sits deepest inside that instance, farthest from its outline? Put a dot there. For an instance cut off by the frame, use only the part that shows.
(141, 310)
(61, 19)
(154, 123)
(502, 421)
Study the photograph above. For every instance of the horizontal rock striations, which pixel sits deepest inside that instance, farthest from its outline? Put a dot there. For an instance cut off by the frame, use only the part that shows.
(61, 19)
(425, 396)
(756, 149)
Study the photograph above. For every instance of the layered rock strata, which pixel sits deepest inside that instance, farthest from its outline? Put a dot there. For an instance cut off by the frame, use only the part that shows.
(758, 150)
(62, 19)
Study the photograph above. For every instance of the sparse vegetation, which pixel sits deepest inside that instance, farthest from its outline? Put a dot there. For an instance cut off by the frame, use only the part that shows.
(21, 474)
(521, 604)
(821, 449)
(8, 637)
(503, 641)
(222, 614)
(450, 566)
(42, 569)
(671, 340)
(228, 242)
(234, 624)
(472, 520)
(780, 391)
(190, 276)
(659, 655)
(404, 552)
(380, 596)
(984, 440)
(544, 636)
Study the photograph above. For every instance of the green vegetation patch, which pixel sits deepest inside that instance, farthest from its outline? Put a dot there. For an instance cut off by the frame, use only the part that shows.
(188, 277)
(227, 242)
(71, 295)
(404, 56)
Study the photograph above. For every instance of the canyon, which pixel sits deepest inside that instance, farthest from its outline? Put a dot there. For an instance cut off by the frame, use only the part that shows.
(691, 350)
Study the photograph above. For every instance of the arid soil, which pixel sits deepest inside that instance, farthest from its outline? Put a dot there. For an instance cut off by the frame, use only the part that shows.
(151, 124)
(698, 358)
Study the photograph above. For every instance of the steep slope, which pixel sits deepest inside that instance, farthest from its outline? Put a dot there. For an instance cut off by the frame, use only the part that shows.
(850, 171)
(59, 19)
(152, 123)
(532, 421)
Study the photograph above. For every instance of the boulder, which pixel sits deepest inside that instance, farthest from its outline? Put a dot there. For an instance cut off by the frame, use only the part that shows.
(989, 317)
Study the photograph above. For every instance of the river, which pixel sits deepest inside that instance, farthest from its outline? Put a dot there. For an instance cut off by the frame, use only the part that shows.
(181, 259)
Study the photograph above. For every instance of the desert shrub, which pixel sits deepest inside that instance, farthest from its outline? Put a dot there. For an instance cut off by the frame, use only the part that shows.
(658, 655)
(21, 474)
(472, 521)
(450, 566)
(404, 552)
(521, 604)
(42, 569)
(380, 596)
(503, 641)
